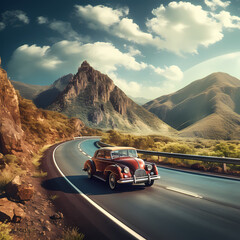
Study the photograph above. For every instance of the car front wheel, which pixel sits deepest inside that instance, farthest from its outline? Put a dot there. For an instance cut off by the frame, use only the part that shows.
(112, 182)
(149, 184)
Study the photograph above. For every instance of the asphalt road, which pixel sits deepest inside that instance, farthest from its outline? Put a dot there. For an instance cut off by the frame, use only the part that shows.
(178, 206)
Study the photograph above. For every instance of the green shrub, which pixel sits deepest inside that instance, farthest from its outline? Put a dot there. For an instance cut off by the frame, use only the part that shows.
(178, 148)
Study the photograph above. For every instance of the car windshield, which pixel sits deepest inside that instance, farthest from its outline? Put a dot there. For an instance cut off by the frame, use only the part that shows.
(124, 153)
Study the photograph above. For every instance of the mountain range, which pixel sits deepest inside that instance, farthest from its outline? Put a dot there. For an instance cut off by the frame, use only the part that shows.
(207, 108)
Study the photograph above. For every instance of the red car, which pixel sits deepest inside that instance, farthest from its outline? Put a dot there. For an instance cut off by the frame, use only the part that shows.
(118, 165)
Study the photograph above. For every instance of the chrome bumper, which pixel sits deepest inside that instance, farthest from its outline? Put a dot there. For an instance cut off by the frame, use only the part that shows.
(134, 179)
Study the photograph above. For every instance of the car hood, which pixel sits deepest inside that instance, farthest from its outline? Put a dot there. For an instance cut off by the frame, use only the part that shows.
(132, 163)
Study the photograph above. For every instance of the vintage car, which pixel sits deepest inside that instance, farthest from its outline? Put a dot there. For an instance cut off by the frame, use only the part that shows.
(118, 165)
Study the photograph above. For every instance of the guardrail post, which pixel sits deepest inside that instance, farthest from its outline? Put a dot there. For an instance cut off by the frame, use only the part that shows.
(224, 167)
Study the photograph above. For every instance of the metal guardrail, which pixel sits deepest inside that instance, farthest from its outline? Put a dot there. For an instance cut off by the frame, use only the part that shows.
(224, 160)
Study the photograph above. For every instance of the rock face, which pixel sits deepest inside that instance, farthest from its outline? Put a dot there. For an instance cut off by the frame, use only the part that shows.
(94, 98)
(11, 133)
(207, 108)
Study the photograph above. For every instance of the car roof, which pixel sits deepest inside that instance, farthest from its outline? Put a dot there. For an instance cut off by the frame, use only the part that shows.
(116, 148)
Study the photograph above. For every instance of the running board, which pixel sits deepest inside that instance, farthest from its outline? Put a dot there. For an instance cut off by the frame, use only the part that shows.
(99, 178)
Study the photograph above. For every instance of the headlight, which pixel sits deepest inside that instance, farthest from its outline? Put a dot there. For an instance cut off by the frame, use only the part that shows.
(149, 167)
(126, 170)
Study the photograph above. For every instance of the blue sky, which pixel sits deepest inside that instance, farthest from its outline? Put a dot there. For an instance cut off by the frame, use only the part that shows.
(149, 48)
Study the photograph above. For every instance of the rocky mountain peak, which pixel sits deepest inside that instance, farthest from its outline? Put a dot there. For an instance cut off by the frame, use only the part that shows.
(84, 66)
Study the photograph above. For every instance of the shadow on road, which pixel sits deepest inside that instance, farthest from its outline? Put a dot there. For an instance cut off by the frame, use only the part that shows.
(87, 186)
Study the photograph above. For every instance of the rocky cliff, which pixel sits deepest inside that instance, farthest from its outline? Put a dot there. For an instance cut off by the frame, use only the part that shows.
(24, 128)
(94, 98)
(11, 133)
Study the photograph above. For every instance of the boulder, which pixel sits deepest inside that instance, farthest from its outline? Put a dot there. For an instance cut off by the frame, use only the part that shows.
(57, 215)
(10, 211)
(16, 190)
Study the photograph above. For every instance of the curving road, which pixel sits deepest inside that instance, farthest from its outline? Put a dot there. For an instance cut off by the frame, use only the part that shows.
(179, 206)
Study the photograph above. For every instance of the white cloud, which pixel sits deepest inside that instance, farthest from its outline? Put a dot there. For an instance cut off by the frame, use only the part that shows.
(183, 27)
(172, 73)
(100, 15)
(213, 4)
(2, 26)
(227, 20)
(130, 88)
(42, 20)
(50, 62)
(129, 30)
(15, 18)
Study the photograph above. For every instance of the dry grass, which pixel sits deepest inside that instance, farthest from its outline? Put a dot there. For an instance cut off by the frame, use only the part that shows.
(5, 232)
(72, 234)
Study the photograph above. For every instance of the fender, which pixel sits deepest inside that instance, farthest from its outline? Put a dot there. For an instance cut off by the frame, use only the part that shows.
(114, 168)
(90, 163)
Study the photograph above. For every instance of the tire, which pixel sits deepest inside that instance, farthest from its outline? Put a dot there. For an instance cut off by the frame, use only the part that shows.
(89, 172)
(112, 182)
(147, 184)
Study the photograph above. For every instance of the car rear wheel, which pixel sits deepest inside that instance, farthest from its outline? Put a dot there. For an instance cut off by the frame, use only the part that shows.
(149, 184)
(89, 172)
(112, 182)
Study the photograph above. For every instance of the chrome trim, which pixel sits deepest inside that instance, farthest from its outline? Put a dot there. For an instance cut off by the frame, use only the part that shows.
(99, 178)
(139, 180)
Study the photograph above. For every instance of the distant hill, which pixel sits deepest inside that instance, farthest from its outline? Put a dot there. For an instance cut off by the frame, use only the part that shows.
(139, 100)
(93, 97)
(207, 108)
(42, 96)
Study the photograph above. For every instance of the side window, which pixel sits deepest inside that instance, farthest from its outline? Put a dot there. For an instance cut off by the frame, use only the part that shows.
(107, 154)
(100, 154)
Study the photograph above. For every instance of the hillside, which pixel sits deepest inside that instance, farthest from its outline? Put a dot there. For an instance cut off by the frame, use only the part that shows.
(93, 97)
(25, 128)
(207, 108)
(42, 96)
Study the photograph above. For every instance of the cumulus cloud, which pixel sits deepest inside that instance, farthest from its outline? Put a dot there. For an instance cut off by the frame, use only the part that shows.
(50, 62)
(213, 4)
(179, 27)
(129, 30)
(227, 20)
(100, 15)
(183, 27)
(42, 20)
(172, 73)
(15, 18)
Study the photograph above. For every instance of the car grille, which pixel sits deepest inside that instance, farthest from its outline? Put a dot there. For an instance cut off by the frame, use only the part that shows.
(140, 173)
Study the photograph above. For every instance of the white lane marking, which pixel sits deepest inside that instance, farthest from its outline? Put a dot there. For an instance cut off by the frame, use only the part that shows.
(103, 211)
(184, 192)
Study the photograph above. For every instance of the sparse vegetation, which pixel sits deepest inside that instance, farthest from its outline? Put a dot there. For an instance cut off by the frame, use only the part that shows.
(5, 232)
(72, 234)
(10, 168)
(53, 197)
(179, 145)
(39, 174)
